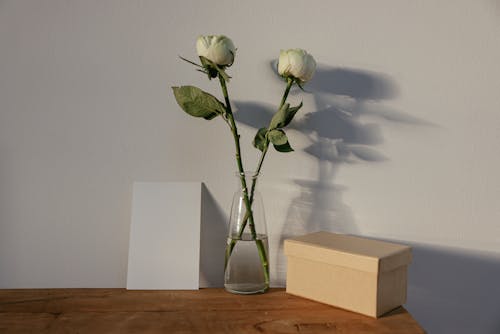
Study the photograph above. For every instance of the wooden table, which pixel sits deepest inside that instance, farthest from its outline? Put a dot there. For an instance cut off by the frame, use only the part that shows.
(204, 311)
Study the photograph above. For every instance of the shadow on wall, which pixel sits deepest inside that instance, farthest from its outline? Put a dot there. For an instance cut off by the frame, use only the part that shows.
(450, 291)
(344, 129)
(213, 234)
(337, 136)
(339, 133)
(453, 291)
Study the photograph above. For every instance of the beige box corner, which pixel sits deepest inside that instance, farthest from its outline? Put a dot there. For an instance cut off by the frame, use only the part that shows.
(354, 273)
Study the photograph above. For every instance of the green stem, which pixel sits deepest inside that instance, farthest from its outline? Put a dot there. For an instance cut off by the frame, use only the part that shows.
(263, 154)
(266, 146)
(248, 205)
(229, 250)
(236, 138)
(289, 84)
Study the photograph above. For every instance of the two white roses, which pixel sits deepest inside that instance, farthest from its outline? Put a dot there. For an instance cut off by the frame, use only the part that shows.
(216, 53)
(293, 63)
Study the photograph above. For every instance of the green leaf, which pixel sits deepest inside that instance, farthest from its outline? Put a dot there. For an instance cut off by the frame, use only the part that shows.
(198, 103)
(291, 113)
(284, 116)
(284, 148)
(259, 141)
(279, 117)
(278, 137)
(279, 140)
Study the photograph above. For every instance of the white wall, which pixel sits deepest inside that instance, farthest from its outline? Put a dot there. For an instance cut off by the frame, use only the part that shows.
(411, 89)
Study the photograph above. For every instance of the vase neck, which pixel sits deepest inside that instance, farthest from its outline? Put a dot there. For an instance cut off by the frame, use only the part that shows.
(249, 176)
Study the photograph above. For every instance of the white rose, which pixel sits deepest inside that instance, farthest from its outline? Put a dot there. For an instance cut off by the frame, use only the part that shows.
(296, 63)
(217, 48)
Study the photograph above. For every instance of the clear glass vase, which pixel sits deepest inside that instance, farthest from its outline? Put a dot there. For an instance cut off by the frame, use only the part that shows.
(247, 250)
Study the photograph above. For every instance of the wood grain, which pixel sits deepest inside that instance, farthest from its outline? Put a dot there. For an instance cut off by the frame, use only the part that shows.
(204, 311)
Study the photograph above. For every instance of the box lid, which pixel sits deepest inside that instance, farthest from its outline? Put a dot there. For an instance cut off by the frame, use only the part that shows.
(349, 251)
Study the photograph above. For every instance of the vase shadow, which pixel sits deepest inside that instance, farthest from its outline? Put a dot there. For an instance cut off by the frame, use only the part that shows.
(345, 128)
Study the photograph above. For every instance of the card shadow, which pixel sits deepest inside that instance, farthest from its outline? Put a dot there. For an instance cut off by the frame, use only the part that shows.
(213, 236)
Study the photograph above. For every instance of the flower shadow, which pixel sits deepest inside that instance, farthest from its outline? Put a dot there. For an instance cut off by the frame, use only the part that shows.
(345, 128)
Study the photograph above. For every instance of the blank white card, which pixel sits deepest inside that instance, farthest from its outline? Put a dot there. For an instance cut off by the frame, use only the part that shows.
(164, 248)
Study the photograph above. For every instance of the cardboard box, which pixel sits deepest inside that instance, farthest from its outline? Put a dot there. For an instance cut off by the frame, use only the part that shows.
(354, 273)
